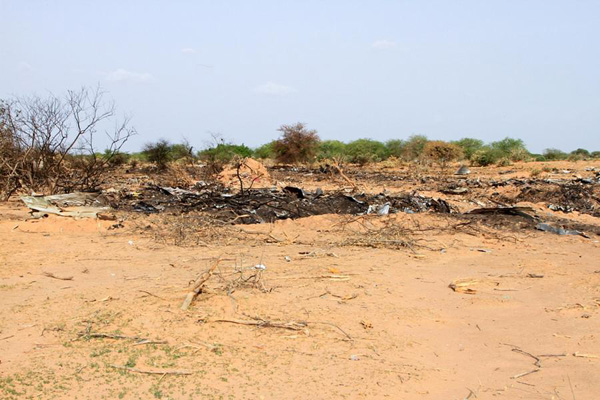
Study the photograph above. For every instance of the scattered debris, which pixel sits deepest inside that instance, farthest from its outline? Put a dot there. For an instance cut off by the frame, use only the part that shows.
(519, 211)
(556, 207)
(463, 286)
(270, 204)
(559, 231)
(458, 190)
(535, 276)
(366, 324)
(463, 170)
(80, 205)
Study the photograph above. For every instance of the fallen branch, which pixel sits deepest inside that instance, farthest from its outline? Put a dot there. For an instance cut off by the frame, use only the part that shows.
(111, 336)
(147, 341)
(537, 363)
(62, 278)
(151, 294)
(198, 283)
(139, 340)
(153, 372)
(524, 374)
(339, 170)
(294, 326)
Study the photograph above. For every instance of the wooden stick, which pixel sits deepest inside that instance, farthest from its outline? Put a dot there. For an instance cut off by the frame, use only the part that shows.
(198, 283)
(294, 326)
(153, 372)
(524, 374)
(339, 170)
(537, 360)
(148, 341)
(62, 278)
(112, 336)
(151, 294)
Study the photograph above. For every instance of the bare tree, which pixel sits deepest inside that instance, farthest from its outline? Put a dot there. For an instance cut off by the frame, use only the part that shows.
(50, 143)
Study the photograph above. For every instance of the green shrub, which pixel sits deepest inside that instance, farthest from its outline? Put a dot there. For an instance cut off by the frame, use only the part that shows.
(329, 149)
(364, 151)
(181, 151)
(265, 151)
(116, 158)
(395, 148)
(158, 153)
(538, 157)
(595, 154)
(512, 149)
(469, 146)
(575, 157)
(486, 156)
(414, 147)
(583, 152)
(554, 154)
(224, 153)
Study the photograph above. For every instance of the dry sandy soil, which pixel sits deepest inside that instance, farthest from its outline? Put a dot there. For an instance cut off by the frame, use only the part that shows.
(361, 319)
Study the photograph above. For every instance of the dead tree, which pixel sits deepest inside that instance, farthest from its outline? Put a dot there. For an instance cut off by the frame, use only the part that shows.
(49, 144)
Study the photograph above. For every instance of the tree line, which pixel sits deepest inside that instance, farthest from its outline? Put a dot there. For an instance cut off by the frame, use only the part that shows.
(51, 144)
(298, 144)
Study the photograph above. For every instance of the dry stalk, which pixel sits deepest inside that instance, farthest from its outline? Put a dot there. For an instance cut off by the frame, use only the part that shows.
(153, 372)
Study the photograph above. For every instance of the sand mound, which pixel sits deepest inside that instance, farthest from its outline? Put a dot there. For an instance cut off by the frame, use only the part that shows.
(253, 173)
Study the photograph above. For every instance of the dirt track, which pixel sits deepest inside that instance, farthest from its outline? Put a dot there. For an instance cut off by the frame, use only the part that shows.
(380, 322)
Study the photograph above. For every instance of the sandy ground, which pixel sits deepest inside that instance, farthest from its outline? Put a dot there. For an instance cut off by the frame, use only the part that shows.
(365, 322)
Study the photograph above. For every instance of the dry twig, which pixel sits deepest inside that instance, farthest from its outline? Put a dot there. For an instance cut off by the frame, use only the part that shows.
(153, 372)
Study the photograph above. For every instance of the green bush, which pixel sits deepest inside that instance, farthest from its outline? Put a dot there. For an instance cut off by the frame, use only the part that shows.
(181, 151)
(486, 156)
(538, 157)
(364, 151)
(554, 155)
(512, 149)
(395, 148)
(265, 151)
(469, 146)
(595, 154)
(224, 153)
(414, 147)
(158, 153)
(329, 149)
(579, 154)
(115, 158)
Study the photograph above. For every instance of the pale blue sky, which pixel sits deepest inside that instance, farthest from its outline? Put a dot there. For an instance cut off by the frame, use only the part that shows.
(350, 69)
